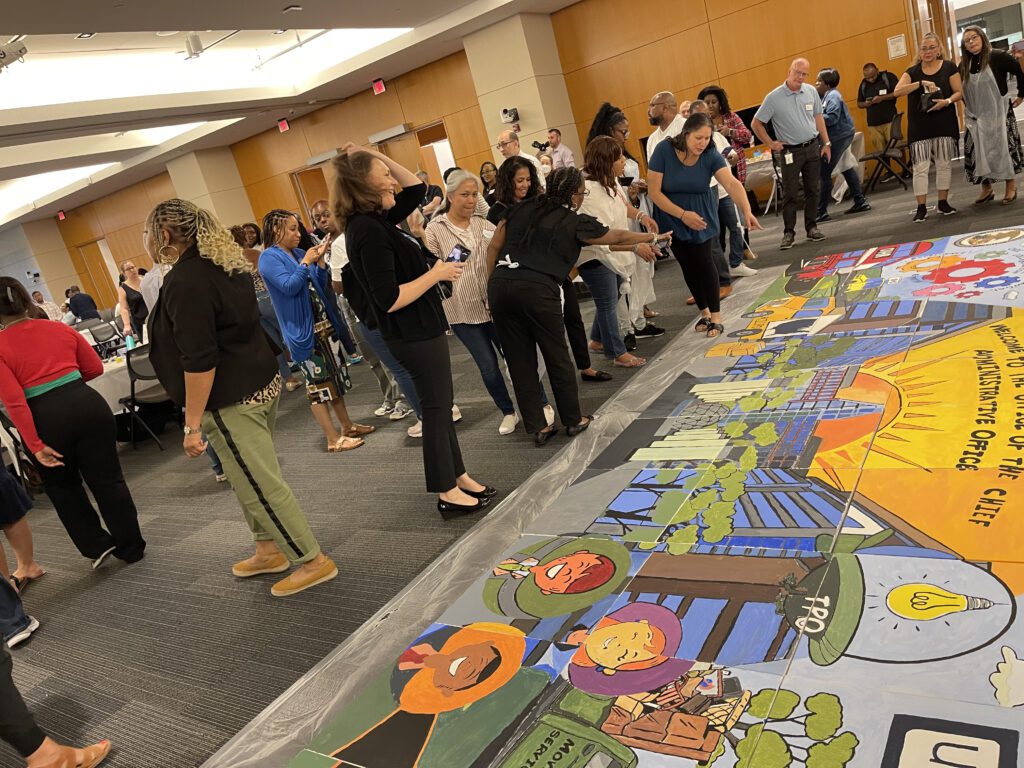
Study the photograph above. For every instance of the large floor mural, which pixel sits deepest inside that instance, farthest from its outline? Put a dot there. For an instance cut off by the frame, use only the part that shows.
(808, 551)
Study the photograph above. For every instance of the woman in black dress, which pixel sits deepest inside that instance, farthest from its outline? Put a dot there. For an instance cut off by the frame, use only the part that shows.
(372, 195)
(992, 150)
(932, 86)
(130, 303)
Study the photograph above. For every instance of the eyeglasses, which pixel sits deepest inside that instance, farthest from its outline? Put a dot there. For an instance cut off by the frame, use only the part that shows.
(623, 133)
(584, 193)
(970, 39)
(929, 47)
(503, 144)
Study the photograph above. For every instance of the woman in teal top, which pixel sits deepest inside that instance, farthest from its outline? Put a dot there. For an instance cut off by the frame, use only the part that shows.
(679, 182)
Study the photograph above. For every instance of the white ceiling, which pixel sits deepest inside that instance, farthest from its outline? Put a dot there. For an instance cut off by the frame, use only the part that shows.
(55, 123)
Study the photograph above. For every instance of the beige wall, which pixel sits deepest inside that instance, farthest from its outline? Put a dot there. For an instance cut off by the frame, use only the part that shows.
(527, 75)
(51, 253)
(210, 179)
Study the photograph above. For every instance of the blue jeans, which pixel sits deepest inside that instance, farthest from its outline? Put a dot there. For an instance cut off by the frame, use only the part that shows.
(380, 347)
(839, 146)
(730, 224)
(12, 615)
(482, 342)
(218, 468)
(268, 319)
(604, 287)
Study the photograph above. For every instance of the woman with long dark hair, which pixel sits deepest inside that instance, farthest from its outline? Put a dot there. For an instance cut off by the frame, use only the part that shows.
(992, 149)
(606, 268)
(214, 361)
(680, 174)
(489, 176)
(299, 283)
(371, 195)
(517, 181)
(533, 251)
(68, 427)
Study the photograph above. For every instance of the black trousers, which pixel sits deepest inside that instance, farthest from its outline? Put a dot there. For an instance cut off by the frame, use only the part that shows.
(574, 327)
(806, 165)
(17, 726)
(528, 315)
(430, 366)
(76, 421)
(699, 272)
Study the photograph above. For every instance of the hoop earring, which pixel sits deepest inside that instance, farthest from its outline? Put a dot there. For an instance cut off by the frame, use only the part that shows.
(164, 258)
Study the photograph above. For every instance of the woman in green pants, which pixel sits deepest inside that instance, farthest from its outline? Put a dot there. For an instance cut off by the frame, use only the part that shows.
(213, 359)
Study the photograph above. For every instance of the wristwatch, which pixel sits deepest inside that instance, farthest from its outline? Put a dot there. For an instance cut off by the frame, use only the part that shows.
(191, 430)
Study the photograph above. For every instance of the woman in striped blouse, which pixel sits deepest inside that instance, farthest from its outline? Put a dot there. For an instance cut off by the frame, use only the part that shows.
(457, 229)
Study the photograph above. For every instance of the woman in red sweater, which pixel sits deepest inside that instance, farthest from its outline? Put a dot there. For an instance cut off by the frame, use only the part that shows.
(67, 425)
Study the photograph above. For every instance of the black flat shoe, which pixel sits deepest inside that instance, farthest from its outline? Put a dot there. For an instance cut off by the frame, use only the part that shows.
(487, 493)
(599, 376)
(540, 438)
(450, 511)
(577, 428)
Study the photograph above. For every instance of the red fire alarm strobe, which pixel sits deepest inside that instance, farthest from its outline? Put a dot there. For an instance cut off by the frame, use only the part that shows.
(282, 125)
(378, 87)
(61, 216)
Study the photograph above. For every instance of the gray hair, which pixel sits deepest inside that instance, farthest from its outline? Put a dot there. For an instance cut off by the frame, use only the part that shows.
(457, 178)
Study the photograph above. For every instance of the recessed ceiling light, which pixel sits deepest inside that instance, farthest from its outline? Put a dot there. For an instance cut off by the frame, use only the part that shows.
(85, 36)
(291, 8)
(280, 31)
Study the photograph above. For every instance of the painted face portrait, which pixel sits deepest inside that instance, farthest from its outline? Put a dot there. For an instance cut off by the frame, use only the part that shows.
(626, 645)
(572, 574)
(463, 667)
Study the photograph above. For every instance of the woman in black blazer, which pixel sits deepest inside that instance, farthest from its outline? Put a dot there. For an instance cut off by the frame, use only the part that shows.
(372, 195)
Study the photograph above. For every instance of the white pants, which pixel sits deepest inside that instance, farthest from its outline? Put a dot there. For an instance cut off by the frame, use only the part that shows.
(641, 292)
(939, 151)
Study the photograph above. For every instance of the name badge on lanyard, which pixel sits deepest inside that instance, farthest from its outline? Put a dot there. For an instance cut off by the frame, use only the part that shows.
(809, 107)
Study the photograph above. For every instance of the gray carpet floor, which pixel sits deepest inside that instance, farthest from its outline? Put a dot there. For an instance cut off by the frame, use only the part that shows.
(171, 656)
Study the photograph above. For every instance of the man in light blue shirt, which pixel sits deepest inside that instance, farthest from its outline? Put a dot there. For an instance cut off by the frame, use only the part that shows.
(794, 110)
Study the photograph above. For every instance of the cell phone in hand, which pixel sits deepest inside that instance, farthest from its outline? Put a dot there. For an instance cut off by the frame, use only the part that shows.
(459, 254)
(625, 180)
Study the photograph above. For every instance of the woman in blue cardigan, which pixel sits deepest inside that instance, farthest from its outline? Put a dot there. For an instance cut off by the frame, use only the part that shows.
(299, 283)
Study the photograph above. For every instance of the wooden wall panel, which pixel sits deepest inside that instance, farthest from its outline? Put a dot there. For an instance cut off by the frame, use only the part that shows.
(352, 120)
(771, 27)
(159, 188)
(721, 8)
(473, 162)
(436, 89)
(595, 30)
(276, 192)
(80, 226)
(467, 132)
(126, 245)
(270, 153)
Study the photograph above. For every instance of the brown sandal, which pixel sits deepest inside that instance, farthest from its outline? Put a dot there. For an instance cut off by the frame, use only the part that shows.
(358, 430)
(632, 361)
(94, 755)
(345, 444)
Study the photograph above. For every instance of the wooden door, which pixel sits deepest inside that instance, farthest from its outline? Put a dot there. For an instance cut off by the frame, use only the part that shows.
(93, 274)
(312, 185)
(404, 150)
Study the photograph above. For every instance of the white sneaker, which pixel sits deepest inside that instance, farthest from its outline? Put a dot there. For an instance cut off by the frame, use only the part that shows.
(456, 414)
(399, 412)
(25, 634)
(102, 558)
(508, 424)
(549, 415)
(221, 478)
(385, 409)
(416, 430)
(742, 271)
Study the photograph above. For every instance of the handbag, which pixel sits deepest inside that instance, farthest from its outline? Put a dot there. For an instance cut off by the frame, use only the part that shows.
(928, 99)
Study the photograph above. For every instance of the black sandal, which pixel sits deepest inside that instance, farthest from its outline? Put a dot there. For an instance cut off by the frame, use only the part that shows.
(599, 376)
(715, 330)
(702, 325)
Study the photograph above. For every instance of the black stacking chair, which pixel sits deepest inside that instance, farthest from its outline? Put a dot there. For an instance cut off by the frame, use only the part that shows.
(106, 339)
(145, 389)
(890, 160)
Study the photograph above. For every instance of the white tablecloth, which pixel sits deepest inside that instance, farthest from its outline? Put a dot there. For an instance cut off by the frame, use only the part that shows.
(114, 383)
(759, 172)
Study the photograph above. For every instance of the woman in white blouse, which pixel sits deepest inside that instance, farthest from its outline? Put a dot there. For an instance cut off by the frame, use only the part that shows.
(460, 233)
(606, 268)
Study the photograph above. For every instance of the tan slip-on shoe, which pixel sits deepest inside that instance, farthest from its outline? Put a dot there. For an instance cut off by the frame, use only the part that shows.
(258, 564)
(297, 581)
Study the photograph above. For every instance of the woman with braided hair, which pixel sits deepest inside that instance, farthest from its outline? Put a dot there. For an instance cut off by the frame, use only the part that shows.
(299, 282)
(211, 355)
(531, 254)
(68, 427)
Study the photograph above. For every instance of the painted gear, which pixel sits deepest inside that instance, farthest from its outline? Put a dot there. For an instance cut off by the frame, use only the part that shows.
(977, 270)
(928, 263)
(968, 294)
(1002, 281)
(939, 289)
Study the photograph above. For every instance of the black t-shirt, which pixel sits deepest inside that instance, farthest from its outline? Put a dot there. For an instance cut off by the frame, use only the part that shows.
(922, 125)
(432, 191)
(1004, 67)
(83, 307)
(883, 112)
(545, 242)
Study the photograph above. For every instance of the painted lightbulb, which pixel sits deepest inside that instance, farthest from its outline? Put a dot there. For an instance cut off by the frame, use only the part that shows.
(924, 602)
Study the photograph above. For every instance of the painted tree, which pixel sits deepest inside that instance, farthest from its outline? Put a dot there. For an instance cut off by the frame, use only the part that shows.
(789, 731)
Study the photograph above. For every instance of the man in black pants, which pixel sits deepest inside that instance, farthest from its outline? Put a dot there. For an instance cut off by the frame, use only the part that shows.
(794, 110)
